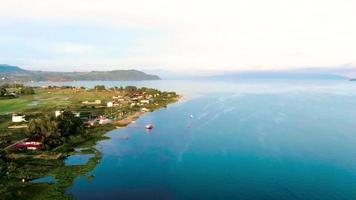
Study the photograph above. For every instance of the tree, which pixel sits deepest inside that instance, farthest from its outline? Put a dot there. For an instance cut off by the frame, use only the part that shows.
(3, 91)
(45, 129)
(99, 87)
(68, 124)
(27, 90)
(131, 88)
(52, 131)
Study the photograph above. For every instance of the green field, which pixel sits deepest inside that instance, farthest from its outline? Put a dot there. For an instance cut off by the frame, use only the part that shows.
(52, 99)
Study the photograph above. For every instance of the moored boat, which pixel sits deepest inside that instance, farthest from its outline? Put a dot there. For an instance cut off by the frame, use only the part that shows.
(149, 126)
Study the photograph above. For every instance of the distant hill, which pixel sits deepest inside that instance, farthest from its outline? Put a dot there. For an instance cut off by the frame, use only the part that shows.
(291, 75)
(14, 73)
(9, 69)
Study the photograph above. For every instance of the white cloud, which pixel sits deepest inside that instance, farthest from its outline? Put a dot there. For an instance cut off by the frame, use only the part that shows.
(203, 34)
(70, 48)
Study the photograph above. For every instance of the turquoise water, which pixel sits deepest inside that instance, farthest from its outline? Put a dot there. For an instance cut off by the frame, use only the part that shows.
(247, 140)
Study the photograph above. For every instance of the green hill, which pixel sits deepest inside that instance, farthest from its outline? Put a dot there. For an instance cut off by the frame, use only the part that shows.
(14, 73)
(10, 69)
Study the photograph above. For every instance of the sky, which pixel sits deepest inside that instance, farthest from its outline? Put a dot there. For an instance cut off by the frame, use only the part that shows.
(177, 35)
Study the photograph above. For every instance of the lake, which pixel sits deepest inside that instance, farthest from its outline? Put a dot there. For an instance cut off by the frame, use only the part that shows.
(233, 140)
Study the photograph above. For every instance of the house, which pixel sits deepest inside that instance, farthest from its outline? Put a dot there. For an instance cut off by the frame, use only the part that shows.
(76, 114)
(145, 110)
(90, 123)
(18, 118)
(104, 120)
(58, 112)
(12, 94)
(134, 99)
(145, 101)
(120, 100)
(96, 102)
(109, 104)
(117, 97)
(28, 145)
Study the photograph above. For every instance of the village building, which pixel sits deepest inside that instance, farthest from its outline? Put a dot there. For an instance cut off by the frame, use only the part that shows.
(145, 110)
(29, 145)
(104, 120)
(109, 104)
(18, 118)
(96, 102)
(117, 97)
(76, 114)
(58, 112)
(145, 101)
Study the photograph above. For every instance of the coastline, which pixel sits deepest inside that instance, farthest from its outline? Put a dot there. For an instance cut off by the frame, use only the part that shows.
(58, 96)
(123, 123)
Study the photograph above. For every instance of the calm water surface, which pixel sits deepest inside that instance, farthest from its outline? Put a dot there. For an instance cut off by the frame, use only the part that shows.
(246, 140)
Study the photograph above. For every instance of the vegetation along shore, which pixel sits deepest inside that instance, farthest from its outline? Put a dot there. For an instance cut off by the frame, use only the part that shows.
(41, 126)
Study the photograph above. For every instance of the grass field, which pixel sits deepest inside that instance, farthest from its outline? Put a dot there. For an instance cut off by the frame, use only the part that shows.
(46, 100)
(52, 99)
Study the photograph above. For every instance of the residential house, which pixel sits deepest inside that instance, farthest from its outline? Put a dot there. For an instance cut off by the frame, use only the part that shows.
(109, 104)
(18, 118)
(29, 145)
(145, 101)
(145, 110)
(58, 112)
(96, 102)
(104, 120)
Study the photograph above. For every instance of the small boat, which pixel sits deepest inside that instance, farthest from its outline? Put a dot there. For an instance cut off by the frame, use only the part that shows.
(191, 116)
(149, 126)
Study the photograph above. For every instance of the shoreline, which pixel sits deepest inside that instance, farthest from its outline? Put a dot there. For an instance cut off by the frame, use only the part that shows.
(124, 123)
(95, 133)
(116, 125)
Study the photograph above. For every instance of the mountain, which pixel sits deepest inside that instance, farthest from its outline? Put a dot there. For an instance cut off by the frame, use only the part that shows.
(14, 73)
(10, 69)
(291, 75)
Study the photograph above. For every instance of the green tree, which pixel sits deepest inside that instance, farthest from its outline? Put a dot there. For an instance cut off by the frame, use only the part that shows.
(27, 90)
(131, 88)
(3, 91)
(45, 129)
(99, 87)
(68, 124)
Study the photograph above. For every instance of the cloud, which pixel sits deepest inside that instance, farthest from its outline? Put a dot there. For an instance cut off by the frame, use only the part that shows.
(197, 34)
(70, 48)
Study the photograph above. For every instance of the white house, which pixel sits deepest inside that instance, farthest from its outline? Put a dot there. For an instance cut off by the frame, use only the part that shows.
(104, 121)
(109, 104)
(58, 112)
(96, 102)
(145, 110)
(145, 101)
(18, 118)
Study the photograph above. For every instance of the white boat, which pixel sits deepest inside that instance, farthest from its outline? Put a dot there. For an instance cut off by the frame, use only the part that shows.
(149, 126)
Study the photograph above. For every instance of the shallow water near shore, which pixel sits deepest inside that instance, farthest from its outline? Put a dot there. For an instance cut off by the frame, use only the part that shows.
(244, 140)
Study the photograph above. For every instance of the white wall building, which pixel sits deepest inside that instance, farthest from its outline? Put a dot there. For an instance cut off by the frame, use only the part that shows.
(145, 101)
(109, 104)
(58, 112)
(18, 118)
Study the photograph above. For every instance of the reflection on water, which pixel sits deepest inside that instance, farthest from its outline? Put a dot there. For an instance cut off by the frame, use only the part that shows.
(45, 179)
(78, 159)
